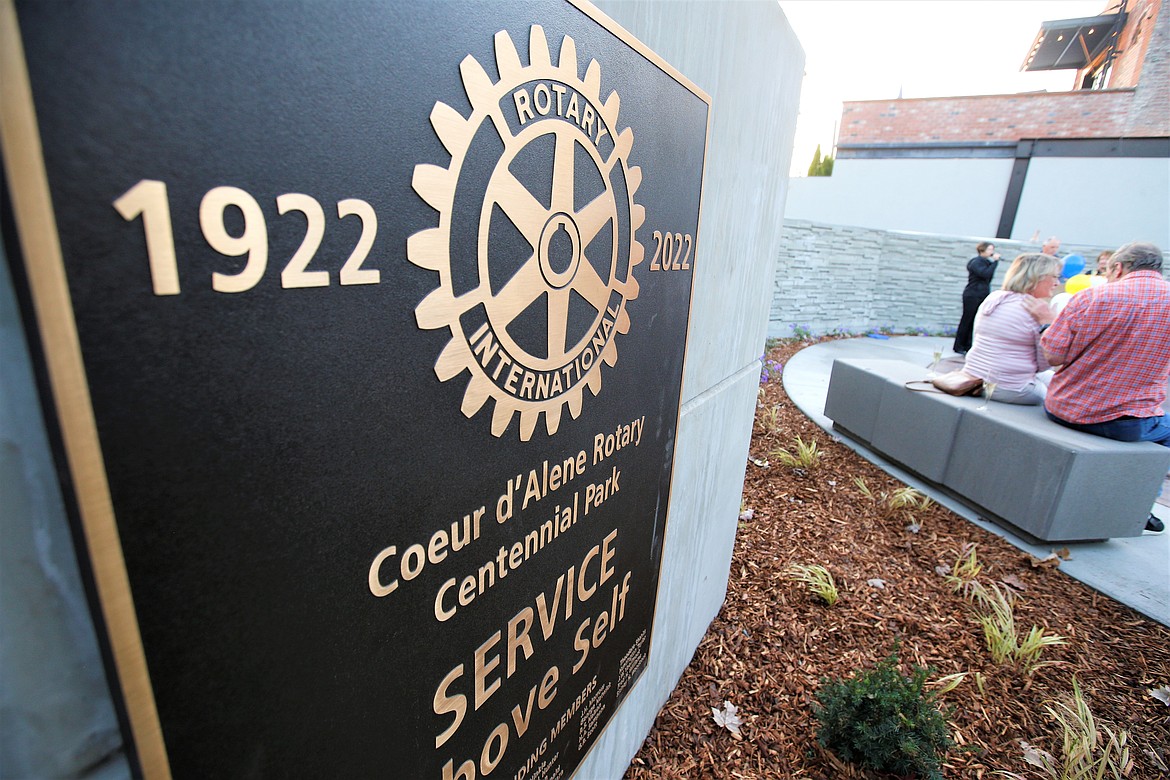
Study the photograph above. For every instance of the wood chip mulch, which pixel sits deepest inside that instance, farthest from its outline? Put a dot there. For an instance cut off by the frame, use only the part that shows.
(773, 642)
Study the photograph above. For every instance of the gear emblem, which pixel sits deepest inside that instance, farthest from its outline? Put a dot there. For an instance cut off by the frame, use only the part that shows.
(535, 246)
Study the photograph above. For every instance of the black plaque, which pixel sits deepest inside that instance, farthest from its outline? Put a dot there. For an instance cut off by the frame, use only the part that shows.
(361, 328)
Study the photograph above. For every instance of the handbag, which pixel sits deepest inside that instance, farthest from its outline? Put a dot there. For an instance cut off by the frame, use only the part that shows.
(956, 382)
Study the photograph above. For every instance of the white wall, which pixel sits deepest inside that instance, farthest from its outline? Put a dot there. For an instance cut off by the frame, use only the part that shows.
(1099, 201)
(1109, 201)
(950, 196)
(745, 55)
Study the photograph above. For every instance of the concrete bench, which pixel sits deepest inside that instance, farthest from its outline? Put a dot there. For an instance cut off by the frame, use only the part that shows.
(1010, 463)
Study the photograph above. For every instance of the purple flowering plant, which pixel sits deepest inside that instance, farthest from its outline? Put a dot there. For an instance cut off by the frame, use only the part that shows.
(772, 369)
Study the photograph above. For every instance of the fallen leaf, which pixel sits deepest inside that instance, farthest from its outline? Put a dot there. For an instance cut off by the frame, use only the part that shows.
(1162, 694)
(942, 570)
(747, 514)
(876, 582)
(1013, 582)
(728, 717)
(948, 684)
(1050, 561)
(1035, 756)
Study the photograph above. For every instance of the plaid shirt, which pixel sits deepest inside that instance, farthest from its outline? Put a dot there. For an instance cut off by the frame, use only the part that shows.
(1114, 343)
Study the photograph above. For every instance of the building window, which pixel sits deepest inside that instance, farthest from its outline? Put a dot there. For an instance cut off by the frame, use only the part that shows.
(1097, 78)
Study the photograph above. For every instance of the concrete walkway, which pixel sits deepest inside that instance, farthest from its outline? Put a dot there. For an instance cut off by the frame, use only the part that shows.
(1134, 571)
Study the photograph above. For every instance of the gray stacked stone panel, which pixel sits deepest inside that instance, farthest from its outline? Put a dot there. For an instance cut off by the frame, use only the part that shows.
(832, 278)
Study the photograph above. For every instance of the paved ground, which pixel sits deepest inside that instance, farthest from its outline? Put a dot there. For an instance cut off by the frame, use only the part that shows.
(1133, 571)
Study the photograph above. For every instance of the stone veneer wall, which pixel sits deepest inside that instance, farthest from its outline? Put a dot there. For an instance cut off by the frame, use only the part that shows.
(838, 277)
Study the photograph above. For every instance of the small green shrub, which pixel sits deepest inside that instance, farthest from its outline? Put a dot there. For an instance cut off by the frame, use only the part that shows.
(884, 721)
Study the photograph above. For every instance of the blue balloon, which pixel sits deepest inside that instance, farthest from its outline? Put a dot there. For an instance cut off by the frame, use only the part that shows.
(1073, 265)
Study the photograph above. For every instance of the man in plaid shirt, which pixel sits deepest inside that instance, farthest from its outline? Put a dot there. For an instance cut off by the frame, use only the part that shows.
(1112, 344)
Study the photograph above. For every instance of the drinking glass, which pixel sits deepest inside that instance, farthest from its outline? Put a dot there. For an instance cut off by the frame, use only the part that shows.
(988, 389)
(934, 364)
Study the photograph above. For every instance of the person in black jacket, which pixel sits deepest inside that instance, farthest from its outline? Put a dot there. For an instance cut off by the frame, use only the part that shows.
(980, 269)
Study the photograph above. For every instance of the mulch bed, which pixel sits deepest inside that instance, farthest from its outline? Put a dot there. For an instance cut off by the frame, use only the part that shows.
(773, 642)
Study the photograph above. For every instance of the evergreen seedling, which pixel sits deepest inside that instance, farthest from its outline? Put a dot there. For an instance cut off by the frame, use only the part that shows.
(884, 721)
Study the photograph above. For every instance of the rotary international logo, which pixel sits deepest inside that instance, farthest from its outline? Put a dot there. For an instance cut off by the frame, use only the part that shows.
(535, 245)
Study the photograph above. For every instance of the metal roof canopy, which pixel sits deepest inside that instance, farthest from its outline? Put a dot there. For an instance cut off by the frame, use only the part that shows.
(1071, 44)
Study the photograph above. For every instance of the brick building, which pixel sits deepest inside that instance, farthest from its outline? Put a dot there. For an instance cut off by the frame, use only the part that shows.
(1008, 166)
(1122, 91)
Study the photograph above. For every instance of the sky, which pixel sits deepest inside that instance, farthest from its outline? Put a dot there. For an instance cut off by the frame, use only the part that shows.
(876, 49)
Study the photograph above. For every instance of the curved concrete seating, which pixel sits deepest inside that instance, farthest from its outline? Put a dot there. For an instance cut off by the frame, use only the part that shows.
(1010, 463)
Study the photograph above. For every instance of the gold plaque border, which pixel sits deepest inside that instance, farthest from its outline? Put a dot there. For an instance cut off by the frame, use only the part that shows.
(36, 226)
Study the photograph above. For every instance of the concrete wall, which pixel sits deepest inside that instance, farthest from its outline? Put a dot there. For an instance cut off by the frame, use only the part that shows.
(839, 277)
(1118, 200)
(747, 58)
(949, 196)
(1082, 200)
(56, 719)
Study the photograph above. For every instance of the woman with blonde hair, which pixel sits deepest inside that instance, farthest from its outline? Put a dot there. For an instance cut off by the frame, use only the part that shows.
(1006, 350)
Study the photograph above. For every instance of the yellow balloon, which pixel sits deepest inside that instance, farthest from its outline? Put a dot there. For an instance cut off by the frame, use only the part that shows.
(1078, 283)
